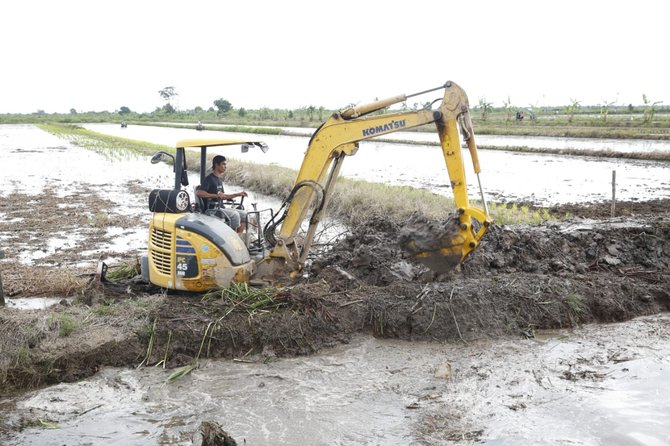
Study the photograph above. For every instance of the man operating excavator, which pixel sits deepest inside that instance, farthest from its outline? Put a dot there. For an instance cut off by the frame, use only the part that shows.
(212, 193)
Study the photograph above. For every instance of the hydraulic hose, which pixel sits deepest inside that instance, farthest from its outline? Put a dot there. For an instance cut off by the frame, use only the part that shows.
(269, 229)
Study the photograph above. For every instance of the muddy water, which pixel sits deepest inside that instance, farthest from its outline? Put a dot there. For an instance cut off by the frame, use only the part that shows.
(542, 179)
(594, 386)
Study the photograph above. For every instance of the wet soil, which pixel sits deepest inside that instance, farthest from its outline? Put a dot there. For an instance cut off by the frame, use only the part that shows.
(519, 280)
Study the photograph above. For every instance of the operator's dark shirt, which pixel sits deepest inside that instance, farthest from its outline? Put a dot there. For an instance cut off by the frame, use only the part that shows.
(212, 185)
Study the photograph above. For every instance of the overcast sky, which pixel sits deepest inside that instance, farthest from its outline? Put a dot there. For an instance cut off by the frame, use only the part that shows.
(102, 55)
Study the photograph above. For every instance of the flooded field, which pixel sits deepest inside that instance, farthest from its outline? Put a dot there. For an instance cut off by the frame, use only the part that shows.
(477, 381)
(541, 179)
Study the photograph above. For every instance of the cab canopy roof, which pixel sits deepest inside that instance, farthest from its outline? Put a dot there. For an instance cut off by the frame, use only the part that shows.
(200, 142)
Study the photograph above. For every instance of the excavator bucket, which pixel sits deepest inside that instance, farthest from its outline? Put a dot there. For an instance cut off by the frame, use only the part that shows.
(439, 246)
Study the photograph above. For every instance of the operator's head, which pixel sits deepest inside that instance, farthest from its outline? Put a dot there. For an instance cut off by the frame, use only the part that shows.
(219, 162)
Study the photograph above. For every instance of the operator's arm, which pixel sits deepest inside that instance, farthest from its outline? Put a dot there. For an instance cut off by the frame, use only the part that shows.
(208, 185)
(204, 194)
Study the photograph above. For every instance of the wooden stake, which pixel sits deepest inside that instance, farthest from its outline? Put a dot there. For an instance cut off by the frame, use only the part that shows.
(613, 191)
(2, 294)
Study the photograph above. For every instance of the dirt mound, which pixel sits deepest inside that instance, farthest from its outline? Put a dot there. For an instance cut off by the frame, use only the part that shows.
(522, 277)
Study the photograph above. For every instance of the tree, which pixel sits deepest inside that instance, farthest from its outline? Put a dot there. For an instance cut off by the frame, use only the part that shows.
(508, 109)
(167, 94)
(223, 106)
(124, 110)
(649, 109)
(73, 111)
(604, 110)
(571, 109)
(241, 112)
(484, 107)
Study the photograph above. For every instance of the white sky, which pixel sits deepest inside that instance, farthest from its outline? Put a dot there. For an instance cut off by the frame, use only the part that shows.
(101, 55)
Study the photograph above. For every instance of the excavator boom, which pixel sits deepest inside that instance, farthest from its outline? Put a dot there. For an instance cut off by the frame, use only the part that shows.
(338, 137)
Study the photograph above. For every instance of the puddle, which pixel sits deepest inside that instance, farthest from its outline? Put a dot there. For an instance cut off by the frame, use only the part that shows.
(33, 303)
(50, 247)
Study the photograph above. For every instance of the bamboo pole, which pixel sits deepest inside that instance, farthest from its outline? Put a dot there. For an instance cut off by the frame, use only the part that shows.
(2, 294)
(613, 192)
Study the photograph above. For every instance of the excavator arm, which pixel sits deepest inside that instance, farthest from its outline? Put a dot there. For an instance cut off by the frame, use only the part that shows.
(339, 136)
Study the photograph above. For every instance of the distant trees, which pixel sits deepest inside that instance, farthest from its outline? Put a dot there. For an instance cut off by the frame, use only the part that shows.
(73, 111)
(124, 110)
(223, 106)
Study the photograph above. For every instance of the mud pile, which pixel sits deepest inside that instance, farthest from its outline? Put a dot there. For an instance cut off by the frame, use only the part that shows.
(519, 279)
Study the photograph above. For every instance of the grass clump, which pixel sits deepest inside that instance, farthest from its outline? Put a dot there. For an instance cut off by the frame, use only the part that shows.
(105, 310)
(241, 296)
(63, 322)
(124, 271)
(34, 281)
(515, 214)
(576, 304)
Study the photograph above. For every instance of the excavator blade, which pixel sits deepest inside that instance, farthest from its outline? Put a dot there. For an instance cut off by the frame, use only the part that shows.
(439, 246)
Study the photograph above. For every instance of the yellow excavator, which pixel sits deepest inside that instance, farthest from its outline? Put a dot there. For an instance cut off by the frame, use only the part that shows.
(191, 250)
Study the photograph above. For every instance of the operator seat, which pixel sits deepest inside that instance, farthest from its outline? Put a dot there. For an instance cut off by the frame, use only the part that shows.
(199, 202)
(215, 212)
